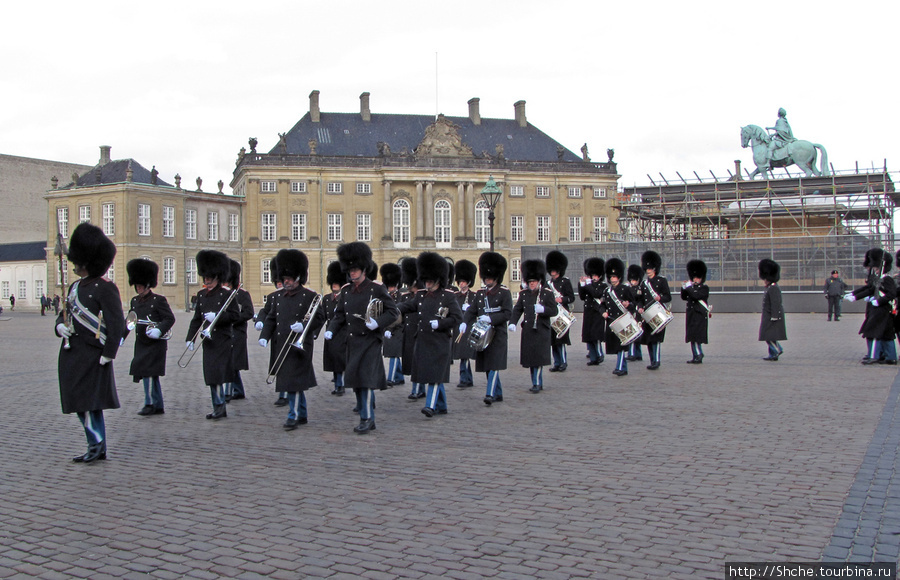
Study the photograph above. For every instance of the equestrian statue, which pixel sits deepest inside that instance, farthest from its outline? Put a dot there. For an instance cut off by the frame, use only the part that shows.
(781, 149)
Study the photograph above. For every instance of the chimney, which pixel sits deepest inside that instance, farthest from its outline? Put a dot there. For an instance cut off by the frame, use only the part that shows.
(104, 154)
(314, 106)
(364, 107)
(474, 113)
(520, 113)
(737, 169)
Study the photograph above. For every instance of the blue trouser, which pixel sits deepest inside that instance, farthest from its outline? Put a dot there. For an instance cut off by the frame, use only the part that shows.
(537, 376)
(153, 392)
(237, 386)
(621, 362)
(559, 355)
(296, 405)
(888, 350)
(653, 350)
(338, 379)
(465, 372)
(595, 350)
(94, 426)
(217, 392)
(494, 389)
(697, 349)
(365, 401)
(417, 388)
(395, 370)
(774, 348)
(634, 350)
(437, 397)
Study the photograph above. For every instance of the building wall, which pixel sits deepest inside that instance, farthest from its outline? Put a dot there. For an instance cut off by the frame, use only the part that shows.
(28, 276)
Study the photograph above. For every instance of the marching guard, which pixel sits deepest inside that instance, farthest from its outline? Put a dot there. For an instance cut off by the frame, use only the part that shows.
(466, 272)
(635, 279)
(91, 327)
(557, 262)
(879, 292)
(772, 324)
(154, 320)
(695, 293)
(410, 325)
(591, 289)
(334, 352)
(392, 349)
(260, 319)
(240, 357)
(617, 301)
(536, 305)
(655, 291)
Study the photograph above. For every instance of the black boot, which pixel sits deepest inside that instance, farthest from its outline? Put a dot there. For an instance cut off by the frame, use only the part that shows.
(95, 452)
(365, 425)
(219, 412)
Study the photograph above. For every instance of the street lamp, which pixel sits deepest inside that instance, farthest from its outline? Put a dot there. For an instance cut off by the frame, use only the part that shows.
(624, 221)
(491, 196)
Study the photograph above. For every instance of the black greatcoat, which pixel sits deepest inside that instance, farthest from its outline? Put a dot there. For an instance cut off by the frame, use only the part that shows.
(410, 329)
(150, 353)
(334, 353)
(878, 323)
(593, 325)
(564, 286)
(461, 348)
(393, 346)
(696, 317)
(365, 368)
(497, 304)
(217, 363)
(772, 324)
(240, 359)
(646, 299)
(433, 348)
(535, 341)
(296, 373)
(84, 384)
(261, 317)
(625, 294)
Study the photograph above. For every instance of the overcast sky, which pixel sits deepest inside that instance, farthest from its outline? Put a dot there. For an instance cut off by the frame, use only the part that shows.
(183, 85)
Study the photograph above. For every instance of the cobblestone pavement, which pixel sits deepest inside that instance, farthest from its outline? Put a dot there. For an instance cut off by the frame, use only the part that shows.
(657, 474)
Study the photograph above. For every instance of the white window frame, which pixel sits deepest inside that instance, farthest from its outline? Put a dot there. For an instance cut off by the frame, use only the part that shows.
(363, 188)
(443, 224)
(600, 192)
(574, 191)
(38, 289)
(111, 272)
(601, 228)
(168, 221)
(62, 220)
(482, 225)
(169, 270)
(268, 186)
(265, 271)
(542, 223)
(298, 227)
(335, 187)
(190, 272)
(400, 210)
(190, 224)
(84, 213)
(363, 227)
(109, 218)
(143, 219)
(516, 191)
(515, 273)
(4, 289)
(23, 290)
(335, 226)
(516, 228)
(298, 187)
(542, 191)
(234, 227)
(575, 229)
(268, 230)
(212, 226)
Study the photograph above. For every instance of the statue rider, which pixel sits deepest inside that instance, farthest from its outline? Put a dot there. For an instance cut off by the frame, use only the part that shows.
(782, 136)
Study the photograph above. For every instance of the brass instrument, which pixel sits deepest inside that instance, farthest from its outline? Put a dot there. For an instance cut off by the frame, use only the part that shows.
(373, 310)
(205, 331)
(293, 340)
(132, 321)
(563, 319)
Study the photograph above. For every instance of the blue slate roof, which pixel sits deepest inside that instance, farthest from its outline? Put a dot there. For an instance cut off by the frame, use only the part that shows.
(23, 252)
(346, 134)
(114, 172)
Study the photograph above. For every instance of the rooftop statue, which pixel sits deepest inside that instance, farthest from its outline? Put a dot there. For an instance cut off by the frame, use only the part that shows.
(781, 149)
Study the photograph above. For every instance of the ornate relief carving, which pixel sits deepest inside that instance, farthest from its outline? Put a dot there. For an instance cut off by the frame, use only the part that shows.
(442, 140)
(575, 205)
(268, 202)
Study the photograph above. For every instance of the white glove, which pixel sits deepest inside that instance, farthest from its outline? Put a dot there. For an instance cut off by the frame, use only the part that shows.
(582, 282)
(328, 335)
(121, 341)
(387, 334)
(465, 306)
(850, 298)
(511, 327)
(462, 328)
(874, 302)
(371, 324)
(686, 285)
(63, 330)
(297, 327)
(484, 318)
(263, 342)
(867, 299)
(104, 360)
(259, 325)
(210, 316)
(434, 324)
(538, 308)
(154, 333)
(190, 345)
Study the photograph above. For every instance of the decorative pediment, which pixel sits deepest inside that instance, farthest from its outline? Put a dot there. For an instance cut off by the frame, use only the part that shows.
(442, 140)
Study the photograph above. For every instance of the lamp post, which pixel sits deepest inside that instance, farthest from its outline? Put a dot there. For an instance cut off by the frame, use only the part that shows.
(624, 222)
(491, 196)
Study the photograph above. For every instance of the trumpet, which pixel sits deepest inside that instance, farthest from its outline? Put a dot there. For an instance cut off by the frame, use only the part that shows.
(205, 331)
(293, 340)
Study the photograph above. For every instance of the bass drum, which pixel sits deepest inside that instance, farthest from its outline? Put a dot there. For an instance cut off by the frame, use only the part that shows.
(657, 317)
(481, 335)
(626, 329)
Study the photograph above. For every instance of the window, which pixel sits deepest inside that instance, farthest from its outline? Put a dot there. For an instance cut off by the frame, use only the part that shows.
(266, 270)
(335, 227)
(64, 283)
(516, 190)
(364, 227)
(515, 273)
(84, 213)
(600, 192)
(574, 191)
(401, 222)
(109, 219)
(38, 289)
(575, 228)
(334, 187)
(517, 228)
(23, 290)
(190, 224)
(542, 191)
(268, 186)
(442, 229)
(600, 229)
(267, 233)
(212, 222)
(62, 219)
(143, 219)
(4, 289)
(543, 228)
(298, 187)
(482, 227)
(363, 188)
(191, 271)
(168, 221)
(298, 227)
(111, 273)
(168, 270)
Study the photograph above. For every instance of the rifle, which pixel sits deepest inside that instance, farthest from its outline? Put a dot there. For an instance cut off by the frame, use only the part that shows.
(59, 251)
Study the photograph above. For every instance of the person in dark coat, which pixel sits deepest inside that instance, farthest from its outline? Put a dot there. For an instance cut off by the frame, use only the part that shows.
(834, 290)
(334, 352)
(240, 358)
(557, 263)
(294, 311)
(149, 362)
(535, 306)
(493, 307)
(213, 305)
(91, 337)
(772, 326)
(466, 272)
(410, 325)
(438, 314)
(591, 289)
(365, 369)
(879, 292)
(260, 319)
(635, 276)
(392, 349)
(617, 301)
(697, 312)
(655, 290)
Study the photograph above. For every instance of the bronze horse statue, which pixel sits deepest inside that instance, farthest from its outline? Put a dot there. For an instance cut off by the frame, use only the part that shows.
(800, 153)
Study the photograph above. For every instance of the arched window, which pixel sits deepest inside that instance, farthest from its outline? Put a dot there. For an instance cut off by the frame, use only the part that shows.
(482, 226)
(401, 223)
(442, 216)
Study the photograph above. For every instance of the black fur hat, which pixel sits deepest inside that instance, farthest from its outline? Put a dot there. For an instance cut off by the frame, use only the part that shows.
(635, 273)
(533, 270)
(89, 247)
(451, 274)
(273, 272)
(650, 260)
(615, 267)
(409, 272)
(143, 272)
(492, 265)
(391, 276)
(466, 270)
(557, 262)
(875, 257)
(213, 264)
(696, 269)
(335, 275)
(293, 264)
(372, 272)
(356, 255)
(769, 270)
(432, 266)
(595, 267)
(234, 275)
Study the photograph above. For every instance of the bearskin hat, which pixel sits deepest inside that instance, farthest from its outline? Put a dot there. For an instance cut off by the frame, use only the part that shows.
(90, 248)
(650, 260)
(769, 270)
(696, 269)
(557, 262)
(615, 267)
(273, 271)
(335, 275)
(432, 266)
(391, 275)
(409, 271)
(595, 267)
(372, 272)
(213, 264)
(492, 265)
(466, 270)
(875, 257)
(293, 264)
(451, 273)
(356, 255)
(234, 274)
(143, 272)
(635, 272)
(533, 270)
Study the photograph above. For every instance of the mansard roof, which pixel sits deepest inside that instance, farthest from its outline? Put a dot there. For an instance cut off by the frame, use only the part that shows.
(23, 252)
(115, 172)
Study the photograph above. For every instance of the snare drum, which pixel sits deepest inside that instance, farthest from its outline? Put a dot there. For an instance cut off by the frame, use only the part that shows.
(481, 335)
(657, 317)
(626, 329)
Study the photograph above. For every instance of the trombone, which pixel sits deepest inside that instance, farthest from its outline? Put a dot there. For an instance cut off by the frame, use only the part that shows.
(205, 331)
(293, 340)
